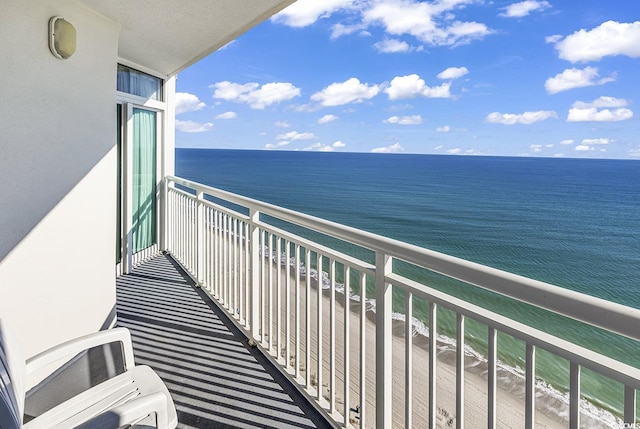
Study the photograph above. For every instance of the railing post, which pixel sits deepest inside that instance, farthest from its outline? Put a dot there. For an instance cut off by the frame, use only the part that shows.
(383, 341)
(630, 405)
(254, 279)
(200, 227)
(530, 386)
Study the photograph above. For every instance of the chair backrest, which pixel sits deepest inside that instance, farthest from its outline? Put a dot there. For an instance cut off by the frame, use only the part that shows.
(12, 380)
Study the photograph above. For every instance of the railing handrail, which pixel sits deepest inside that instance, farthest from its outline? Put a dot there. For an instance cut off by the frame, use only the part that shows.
(595, 311)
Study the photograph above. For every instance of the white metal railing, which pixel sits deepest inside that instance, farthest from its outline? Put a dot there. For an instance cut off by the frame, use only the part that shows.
(300, 301)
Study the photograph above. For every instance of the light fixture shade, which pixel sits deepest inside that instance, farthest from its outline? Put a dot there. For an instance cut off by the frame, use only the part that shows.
(62, 38)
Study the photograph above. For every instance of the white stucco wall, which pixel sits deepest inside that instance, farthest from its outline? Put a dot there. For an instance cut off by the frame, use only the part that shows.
(58, 171)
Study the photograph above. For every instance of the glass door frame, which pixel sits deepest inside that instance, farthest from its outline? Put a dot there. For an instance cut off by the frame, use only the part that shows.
(127, 103)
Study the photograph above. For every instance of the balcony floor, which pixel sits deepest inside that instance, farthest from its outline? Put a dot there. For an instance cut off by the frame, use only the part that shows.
(215, 379)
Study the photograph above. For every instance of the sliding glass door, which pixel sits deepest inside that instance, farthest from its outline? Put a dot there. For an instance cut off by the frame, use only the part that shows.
(137, 181)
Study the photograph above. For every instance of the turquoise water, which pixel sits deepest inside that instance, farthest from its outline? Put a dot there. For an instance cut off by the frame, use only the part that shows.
(570, 222)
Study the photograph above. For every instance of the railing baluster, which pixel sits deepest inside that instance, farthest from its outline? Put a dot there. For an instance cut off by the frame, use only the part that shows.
(270, 292)
(247, 272)
(199, 269)
(230, 261)
(307, 319)
(530, 386)
(218, 262)
(207, 249)
(193, 237)
(181, 228)
(630, 405)
(319, 321)
(433, 357)
(383, 341)
(225, 262)
(279, 349)
(460, 371)
(492, 350)
(574, 396)
(254, 244)
(408, 360)
(264, 275)
(363, 349)
(332, 336)
(240, 281)
(287, 305)
(297, 310)
(236, 267)
(347, 339)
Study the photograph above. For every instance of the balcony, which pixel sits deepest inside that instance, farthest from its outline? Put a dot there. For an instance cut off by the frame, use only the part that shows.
(332, 308)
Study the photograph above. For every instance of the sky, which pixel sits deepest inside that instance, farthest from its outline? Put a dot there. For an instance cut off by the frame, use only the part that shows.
(549, 78)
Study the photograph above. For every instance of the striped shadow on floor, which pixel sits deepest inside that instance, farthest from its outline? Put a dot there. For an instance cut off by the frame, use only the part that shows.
(215, 379)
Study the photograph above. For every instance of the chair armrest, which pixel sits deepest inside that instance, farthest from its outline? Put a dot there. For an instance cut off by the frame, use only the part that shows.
(78, 345)
(131, 413)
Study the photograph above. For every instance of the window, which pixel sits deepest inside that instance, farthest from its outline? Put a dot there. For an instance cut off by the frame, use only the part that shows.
(138, 83)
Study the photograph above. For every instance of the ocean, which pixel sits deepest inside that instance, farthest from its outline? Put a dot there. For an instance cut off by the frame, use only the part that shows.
(574, 223)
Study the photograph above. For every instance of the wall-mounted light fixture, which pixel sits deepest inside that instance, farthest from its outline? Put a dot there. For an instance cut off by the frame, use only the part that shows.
(62, 37)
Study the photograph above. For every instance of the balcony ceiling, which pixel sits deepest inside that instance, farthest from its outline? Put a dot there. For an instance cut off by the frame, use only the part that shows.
(167, 36)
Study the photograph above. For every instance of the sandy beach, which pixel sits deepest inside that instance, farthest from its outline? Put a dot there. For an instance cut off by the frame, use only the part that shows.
(510, 404)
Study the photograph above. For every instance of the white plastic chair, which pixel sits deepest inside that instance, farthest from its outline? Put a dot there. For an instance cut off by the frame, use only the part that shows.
(135, 396)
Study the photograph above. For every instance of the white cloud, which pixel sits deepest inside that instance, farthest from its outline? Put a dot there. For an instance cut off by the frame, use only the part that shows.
(575, 78)
(193, 127)
(608, 39)
(404, 120)
(283, 124)
(431, 23)
(634, 153)
(227, 115)
(535, 148)
(597, 141)
(602, 109)
(602, 115)
(294, 135)
(338, 144)
(522, 118)
(454, 151)
(444, 129)
(256, 96)
(326, 148)
(394, 148)
(305, 12)
(327, 118)
(568, 141)
(553, 39)
(453, 73)
(388, 46)
(339, 30)
(186, 102)
(349, 91)
(277, 145)
(412, 85)
(524, 8)
(593, 145)
(603, 101)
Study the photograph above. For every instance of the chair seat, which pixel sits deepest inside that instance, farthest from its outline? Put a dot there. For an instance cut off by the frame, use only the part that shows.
(126, 387)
